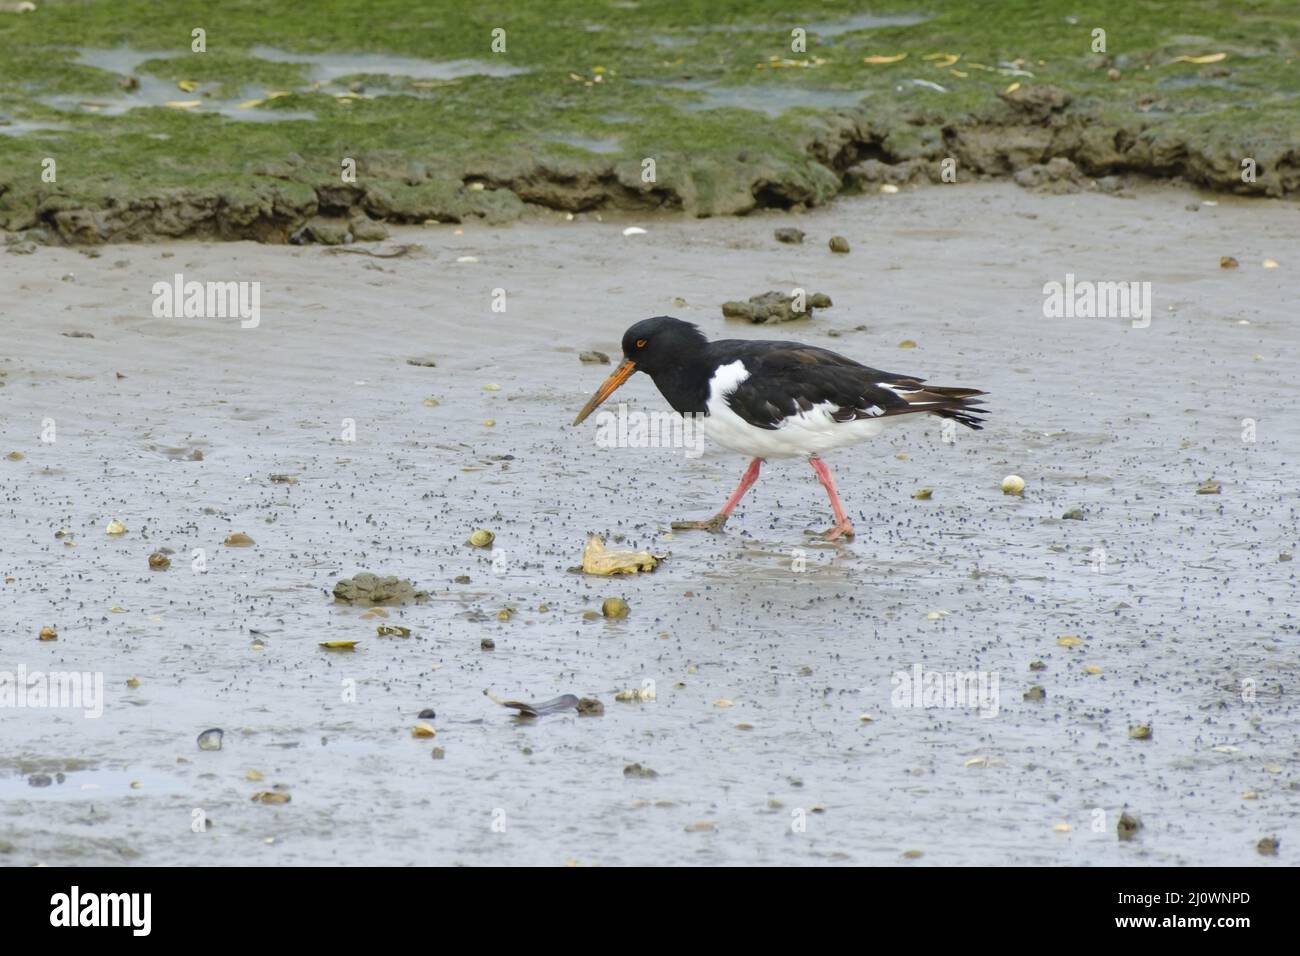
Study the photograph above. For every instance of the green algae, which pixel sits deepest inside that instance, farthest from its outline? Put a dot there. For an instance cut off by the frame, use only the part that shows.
(646, 77)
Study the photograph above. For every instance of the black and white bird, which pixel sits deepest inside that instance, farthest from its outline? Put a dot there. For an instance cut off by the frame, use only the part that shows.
(776, 399)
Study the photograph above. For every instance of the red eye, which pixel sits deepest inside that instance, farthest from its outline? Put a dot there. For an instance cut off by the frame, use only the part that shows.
(640, 343)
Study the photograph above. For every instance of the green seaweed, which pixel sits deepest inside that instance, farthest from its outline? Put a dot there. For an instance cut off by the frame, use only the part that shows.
(635, 73)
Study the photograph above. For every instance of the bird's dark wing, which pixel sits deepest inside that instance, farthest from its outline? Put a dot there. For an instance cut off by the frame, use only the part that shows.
(786, 378)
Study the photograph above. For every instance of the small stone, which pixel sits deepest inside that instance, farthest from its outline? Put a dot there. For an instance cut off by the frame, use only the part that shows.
(923, 494)
(615, 608)
(640, 772)
(423, 730)
(1035, 693)
(1074, 514)
(427, 714)
(773, 307)
(159, 561)
(839, 244)
(437, 753)
(271, 797)
(365, 229)
(115, 527)
(1228, 262)
(48, 634)
(482, 538)
(1128, 826)
(211, 739)
(1210, 487)
(1140, 732)
(790, 235)
(423, 361)
(487, 644)
(1013, 485)
(593, 358)
(1037, 666)
(1268, 846)
(371, 590)
(238, 540)
(590, 707)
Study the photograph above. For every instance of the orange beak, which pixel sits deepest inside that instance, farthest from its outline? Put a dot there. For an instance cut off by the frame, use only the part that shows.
(607, 388)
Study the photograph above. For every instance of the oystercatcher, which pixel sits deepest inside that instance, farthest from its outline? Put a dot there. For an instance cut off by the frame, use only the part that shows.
(776, 399)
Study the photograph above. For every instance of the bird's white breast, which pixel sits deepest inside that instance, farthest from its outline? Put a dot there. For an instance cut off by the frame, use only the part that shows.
(806, 433)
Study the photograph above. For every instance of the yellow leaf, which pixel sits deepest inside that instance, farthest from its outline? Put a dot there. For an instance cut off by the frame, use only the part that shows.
(879, 58)
(1069, 640)
(183, 104)
(338, 645)
(188, 86)
(423, 730)
(1207, 58)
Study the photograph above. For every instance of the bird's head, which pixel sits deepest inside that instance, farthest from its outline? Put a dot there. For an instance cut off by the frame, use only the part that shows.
(651, 346)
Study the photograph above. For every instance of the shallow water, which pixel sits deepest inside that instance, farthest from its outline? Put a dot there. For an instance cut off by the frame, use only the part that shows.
(1122, 422)
(331, 67)
(325, 70)
(769, 98)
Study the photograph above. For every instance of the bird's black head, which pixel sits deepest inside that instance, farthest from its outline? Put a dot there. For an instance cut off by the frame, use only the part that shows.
(662, 345)
(658, 344)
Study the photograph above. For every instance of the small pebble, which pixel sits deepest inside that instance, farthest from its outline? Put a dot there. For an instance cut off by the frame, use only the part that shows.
(615, 608)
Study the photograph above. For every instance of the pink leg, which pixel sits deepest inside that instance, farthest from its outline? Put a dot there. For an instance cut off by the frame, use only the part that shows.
(842, 524)
(717, 521)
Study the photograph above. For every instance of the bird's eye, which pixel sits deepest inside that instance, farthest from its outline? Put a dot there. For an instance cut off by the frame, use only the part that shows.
(640, 343)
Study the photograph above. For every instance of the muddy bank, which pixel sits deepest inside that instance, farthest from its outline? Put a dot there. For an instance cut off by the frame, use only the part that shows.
(1038, 135)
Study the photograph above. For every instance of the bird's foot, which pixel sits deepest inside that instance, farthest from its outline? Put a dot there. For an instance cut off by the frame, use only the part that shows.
(842, 530)
(713, 524)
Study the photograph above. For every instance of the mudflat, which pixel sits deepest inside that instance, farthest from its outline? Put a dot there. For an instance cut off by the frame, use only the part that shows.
(775, 719)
